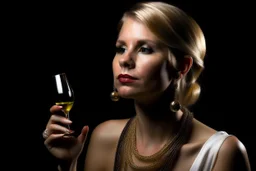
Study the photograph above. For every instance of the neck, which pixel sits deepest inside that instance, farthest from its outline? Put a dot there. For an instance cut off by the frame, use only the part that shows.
(154, 120)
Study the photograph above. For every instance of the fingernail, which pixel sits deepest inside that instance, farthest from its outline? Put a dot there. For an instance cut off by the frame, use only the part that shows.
(69, 131)
(67, 120)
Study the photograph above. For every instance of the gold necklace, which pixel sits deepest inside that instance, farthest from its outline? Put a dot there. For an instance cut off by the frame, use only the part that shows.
(162, 160)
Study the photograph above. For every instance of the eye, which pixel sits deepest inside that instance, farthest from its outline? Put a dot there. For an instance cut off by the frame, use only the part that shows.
(120, 50)
(146, 50)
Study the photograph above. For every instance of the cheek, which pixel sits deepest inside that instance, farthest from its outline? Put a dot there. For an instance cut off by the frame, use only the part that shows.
(154, 70)
(115, 66)
(114, 71)
(156, 74)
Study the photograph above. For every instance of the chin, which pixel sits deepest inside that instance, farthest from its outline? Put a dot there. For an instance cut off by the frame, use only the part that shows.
(126, 95)
(128, 92)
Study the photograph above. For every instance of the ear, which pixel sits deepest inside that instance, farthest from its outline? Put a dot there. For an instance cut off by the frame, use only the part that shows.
(186, 64)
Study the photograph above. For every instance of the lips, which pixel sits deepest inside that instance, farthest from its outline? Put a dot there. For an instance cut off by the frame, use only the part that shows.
(125, 78)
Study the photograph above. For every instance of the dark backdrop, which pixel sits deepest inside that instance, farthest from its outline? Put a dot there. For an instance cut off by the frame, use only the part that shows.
(79, 39)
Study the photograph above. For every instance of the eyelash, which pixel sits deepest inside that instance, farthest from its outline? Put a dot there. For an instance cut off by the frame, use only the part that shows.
(148, 50)
(145, 50)
(120, 50)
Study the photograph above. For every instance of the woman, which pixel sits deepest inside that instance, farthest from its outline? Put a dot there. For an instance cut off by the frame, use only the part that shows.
(159, 56)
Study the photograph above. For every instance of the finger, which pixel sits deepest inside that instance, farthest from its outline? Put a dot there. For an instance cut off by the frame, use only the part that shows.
(56, 109)
(53, 138)
(58, 129)
(59, 140)
(59, 119)
(82, 137)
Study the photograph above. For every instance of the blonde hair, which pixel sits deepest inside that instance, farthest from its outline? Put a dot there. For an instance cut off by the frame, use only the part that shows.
(181, 34)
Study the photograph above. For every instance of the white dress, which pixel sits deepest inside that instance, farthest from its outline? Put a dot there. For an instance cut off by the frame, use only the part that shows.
(207, 155)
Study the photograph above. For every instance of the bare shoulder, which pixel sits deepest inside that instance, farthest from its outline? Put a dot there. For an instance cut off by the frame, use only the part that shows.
(201, 132)
(232, 156)
(109, 131)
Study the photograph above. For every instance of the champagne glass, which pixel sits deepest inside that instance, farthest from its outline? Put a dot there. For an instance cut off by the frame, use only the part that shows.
(63, 93)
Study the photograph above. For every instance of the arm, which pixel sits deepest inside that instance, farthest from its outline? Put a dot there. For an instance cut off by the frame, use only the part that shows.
(232, 156)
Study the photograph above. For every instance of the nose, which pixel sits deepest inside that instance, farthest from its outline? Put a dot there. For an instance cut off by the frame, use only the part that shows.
(127, 61)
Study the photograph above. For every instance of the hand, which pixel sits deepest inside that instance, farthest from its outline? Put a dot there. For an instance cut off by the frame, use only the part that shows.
(59, 144)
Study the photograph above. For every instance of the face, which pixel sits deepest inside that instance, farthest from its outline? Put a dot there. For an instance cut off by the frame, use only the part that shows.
(140, 64)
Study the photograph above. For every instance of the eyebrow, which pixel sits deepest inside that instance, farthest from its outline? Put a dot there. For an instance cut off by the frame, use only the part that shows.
(142, 41)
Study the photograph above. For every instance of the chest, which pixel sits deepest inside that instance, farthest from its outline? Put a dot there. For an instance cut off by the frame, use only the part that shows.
(183, 161)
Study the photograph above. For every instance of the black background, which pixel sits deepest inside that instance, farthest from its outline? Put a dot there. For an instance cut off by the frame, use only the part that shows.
(43, 38)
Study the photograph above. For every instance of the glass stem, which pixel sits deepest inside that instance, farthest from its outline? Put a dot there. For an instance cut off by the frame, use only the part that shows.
(67, 115)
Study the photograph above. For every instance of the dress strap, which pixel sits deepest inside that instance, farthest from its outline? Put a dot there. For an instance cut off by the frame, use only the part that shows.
(208, 153)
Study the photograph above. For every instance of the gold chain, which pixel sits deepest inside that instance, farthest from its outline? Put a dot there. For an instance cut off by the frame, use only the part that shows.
(163, 157)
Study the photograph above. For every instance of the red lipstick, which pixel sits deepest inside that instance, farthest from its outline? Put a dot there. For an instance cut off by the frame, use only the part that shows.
(125, 78)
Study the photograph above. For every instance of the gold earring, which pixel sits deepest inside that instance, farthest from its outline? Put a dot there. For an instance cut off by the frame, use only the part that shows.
(175, 106)
(114, 95)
